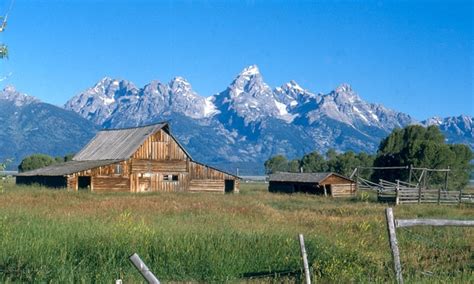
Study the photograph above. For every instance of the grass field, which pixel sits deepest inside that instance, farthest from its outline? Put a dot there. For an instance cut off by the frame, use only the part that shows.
(59, 236)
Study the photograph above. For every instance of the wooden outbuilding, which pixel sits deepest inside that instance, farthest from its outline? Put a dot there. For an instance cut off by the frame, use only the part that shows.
(332, 184)
(140, 159)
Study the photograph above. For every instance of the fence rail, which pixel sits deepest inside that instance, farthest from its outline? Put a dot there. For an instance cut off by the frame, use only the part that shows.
(410, 195)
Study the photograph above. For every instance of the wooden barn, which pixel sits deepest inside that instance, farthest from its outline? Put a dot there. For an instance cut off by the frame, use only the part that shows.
(140, 159)
(331, 184)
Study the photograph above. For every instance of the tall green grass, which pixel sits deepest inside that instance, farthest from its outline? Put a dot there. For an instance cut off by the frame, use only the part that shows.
(60, 236)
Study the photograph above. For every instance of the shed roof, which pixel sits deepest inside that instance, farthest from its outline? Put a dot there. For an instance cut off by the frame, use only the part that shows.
(67, 168)
(304, 177)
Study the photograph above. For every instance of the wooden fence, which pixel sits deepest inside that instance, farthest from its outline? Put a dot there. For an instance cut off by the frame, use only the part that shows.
(416, 189)
(401, 192)
(405, 193)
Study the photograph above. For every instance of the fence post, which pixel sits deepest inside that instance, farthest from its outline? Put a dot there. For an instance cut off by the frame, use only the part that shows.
(357, 179)
(397, 192)
(143, 269)
(305, 260)
(392, 235)
(439, 195)
(420, 185)
(446, 181)
(409, 173)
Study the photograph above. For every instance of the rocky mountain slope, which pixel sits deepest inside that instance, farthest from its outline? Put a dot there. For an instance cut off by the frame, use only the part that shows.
(30, 126)
(457, 129)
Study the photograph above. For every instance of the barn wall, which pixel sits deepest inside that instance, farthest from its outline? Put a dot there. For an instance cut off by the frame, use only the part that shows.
(114, 178)
(110, 184)
(340, 187)
(148, 182)
(143, 166)
(160, 146)
(72, 182)
(206, 185)
(343, 190)
(205, 178)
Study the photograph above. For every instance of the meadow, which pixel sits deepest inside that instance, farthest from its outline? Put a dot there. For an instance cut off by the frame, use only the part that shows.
(64, 237)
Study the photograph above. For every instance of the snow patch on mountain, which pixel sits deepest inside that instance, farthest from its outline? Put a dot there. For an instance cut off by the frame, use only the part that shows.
(9, 93)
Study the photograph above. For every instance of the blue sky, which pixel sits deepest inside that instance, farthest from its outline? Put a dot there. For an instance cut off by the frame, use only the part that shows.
(412, 56)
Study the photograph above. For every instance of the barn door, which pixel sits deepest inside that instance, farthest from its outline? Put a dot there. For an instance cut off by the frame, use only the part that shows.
(84, 183)
(229, 185)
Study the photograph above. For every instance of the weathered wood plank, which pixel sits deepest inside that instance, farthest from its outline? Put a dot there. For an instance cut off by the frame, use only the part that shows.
(400, 223)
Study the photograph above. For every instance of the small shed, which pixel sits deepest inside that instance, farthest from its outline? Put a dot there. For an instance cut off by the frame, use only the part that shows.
(332, 184)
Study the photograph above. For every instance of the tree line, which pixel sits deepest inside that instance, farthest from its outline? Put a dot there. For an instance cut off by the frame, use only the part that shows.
(37, 161)
(413, 145)
(331, 161)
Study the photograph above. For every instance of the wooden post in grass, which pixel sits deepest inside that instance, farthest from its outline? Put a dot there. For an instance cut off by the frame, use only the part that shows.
(439, 195)
(305, 260)
(409, 173)
(446, 180)
(419, 186)
(143, 269)
(397, 193)
(392, 235)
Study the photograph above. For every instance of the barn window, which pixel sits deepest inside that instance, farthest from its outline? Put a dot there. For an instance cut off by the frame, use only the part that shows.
(118, 169)
(170, 177)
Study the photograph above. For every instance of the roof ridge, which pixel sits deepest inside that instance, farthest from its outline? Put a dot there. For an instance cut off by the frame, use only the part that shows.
(166, 122)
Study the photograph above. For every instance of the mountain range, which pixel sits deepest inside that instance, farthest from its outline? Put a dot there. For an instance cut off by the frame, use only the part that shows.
(30, 126)
(241, 126)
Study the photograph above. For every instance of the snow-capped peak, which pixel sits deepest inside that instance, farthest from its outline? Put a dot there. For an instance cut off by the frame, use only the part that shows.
(293, 85)
(344, 88)
(105, 84)
(180, 86)
(345, 94)
(292, 94)
(435, 120)
(180, 80)
(9, 93)
(250, 71)
(105, 81)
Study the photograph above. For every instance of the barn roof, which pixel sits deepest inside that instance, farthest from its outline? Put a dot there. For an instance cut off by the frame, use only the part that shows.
(119, 144)
(67, 168)
(116, 144)
(304, 177)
